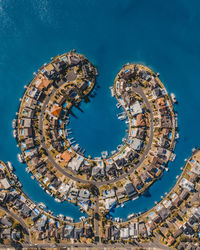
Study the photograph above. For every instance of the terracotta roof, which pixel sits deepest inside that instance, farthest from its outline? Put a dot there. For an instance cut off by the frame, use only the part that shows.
(41, 82)
(66, 156)
(140, 121)
(56, 110)
(161, 102)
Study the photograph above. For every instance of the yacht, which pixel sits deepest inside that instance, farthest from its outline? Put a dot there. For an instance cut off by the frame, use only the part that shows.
(20, 158)
(112, 91)
(14, 133)
(10, 165)
(14, 123)
(173, 97)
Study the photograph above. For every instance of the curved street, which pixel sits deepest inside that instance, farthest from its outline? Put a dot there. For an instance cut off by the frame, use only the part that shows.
(138, 90)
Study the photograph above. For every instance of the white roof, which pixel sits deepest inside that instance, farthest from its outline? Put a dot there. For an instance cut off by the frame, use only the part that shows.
(124, 232)
(196, 168)
(5, 183)
(186, 184)
(75, 163)
(136, 108)
(136, 144)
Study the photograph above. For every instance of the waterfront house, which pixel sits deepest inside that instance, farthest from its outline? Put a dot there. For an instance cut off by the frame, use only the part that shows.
(60, 66)
(130, 190)
(111, 169)
(56, 109)
(136, 108)
(83, 85)
(156, 92)
(30, 103)
(64, 188)
(145, 75)
(155, 217)
(184, 183)
(41, 82)
(184, 194)
(161, 103)
(34, 93)
(142, 229)
(4, 183)
(28, 143)
(66, 156)
(61, 99)
(27, 132)
(153, 83)
(120, 162)
(140, 120)
(109, 203)
(134, 229)
(76, 162)
(163, 212)
(28, 113)
(25, 122)
(145, 177)
(175, 199)
(124, 233)
(168, 204)
(196, 168)
(136, 144)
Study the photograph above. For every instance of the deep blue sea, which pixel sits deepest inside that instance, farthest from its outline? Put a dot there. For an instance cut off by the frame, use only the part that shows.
(163, 35)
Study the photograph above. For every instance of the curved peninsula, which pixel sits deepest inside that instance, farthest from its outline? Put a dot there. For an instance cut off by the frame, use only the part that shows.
(64, 172)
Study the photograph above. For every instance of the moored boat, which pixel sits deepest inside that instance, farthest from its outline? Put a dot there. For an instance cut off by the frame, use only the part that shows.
(173, 97)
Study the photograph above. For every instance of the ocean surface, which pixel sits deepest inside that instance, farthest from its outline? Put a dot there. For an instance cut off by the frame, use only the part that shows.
(164, 35)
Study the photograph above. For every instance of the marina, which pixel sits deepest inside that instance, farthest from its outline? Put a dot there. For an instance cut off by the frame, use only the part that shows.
(106, 122)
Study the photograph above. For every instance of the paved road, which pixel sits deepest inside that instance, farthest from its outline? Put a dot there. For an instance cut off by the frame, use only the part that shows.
(64, 172)
(20, 220)
(147, 246)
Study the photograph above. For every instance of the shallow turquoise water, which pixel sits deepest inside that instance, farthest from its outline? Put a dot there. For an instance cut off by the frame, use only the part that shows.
(164, 35)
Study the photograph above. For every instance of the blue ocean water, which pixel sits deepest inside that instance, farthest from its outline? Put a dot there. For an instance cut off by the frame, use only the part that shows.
(163, 35)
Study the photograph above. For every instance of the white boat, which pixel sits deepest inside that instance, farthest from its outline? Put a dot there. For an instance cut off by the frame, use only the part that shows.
(10, 165)
(118, 105)
(122, 205)
(173, 97)
(14, 133)
(14, 123)
(119, 147)
(28, 170)
(82, 218)
(42, 205)
(112, 91)
(67, 218)
(173, 156)
(167, 169)
(177, 135)
(130, 216)
(104, 154)
(58, 200)
(20, 158)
